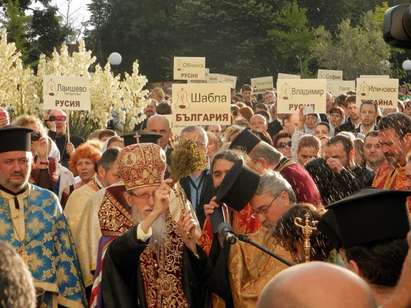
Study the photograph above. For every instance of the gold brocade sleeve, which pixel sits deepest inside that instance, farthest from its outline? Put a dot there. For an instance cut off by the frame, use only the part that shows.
(250, 269)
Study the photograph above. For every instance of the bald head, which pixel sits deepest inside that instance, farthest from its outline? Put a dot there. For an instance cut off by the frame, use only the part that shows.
(159, 124)
(316, 284)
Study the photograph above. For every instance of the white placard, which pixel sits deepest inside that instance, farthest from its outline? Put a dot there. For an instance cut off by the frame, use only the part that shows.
(201, 104)
(66, 93)
(383, 92)
(189, 68)
(229, 79)
(293, 94)
(338, 87)
(330, 74)
(262, 84)
(212, 78)
(375, 76)
(288, 76)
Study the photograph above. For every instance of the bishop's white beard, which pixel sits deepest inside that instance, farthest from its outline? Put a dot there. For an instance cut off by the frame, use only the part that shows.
(159, 227)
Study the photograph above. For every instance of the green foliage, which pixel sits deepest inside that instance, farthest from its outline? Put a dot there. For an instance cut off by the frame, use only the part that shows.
(45, 33)
(34, 31)
(331, 13)
(354, 49)
(245, 38)
(296, 38)
(17, 24)
(140, 30)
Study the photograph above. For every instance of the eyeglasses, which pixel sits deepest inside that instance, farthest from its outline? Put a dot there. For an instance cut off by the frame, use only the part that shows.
(60, 118)
(35, 136)
(264, 208)
(144, 196)
(284, 144)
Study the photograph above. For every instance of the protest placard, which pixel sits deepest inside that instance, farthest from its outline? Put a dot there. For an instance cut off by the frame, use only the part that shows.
(288, 76)
(66, 92)
(330, 74)
(201, 104)
(375, 76)
(229, 79)
(381, 91)
(212, 78)
(293, 94)
(262, 84)
(338, 87)
(189, 68)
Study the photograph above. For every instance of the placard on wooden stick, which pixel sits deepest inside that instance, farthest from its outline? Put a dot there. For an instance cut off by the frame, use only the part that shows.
(293, 94)
(66, 93)
(201, 104)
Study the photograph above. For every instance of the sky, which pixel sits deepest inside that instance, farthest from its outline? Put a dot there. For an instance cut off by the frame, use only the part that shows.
(78, 10)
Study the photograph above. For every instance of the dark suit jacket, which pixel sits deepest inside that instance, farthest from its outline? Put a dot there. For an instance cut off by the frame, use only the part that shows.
(348, 126)
(274, 127)
(207, 192)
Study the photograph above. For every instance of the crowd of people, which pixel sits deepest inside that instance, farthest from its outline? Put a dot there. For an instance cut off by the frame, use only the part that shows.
(104, 221)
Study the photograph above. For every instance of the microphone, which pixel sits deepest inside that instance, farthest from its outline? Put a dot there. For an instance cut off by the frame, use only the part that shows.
(217, 218)
(225, 231)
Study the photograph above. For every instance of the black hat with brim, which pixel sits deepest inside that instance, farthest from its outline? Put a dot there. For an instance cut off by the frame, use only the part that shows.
(129, 139)
(245, 141)
(367, 217)
(148, 137)
(238, 187)
(14, 138)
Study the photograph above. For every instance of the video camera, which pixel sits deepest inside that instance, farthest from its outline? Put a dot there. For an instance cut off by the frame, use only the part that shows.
(397, 26)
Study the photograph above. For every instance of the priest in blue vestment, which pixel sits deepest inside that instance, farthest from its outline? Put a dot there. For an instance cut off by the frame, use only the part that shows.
(31, 220)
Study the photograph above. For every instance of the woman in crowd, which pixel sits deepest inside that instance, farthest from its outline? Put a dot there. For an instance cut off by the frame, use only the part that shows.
(282, 143)
(214, 144)
(46, 172)
(336, 119)
(309, 148)
(83, 164)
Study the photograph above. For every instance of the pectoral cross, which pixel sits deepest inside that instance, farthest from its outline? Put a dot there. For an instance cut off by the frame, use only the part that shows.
(24, 255)
(307, 228)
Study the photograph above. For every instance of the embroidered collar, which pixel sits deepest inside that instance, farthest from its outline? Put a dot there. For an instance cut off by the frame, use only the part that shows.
(14, 194)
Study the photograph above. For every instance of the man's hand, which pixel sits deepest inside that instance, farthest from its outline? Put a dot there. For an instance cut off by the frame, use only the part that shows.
(69, 148)
(4, 122)
(161, 205)
(41, 148)
(210, 207)
(186, 229)
(161, 198)
(301, 119)
(335, 165)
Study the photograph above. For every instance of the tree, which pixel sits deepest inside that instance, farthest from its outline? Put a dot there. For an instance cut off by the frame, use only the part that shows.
(140, 30)
(354, 49)
(233, 35)
(38, 31)
(290, 40)
(46, 32)
(331, 13)
(16, 24)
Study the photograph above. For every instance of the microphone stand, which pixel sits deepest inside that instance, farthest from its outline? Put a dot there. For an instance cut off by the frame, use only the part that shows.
(246, 239)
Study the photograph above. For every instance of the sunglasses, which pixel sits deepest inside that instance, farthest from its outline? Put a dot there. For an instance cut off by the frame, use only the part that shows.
(52, 118)
(35, 136)
(284, 144)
